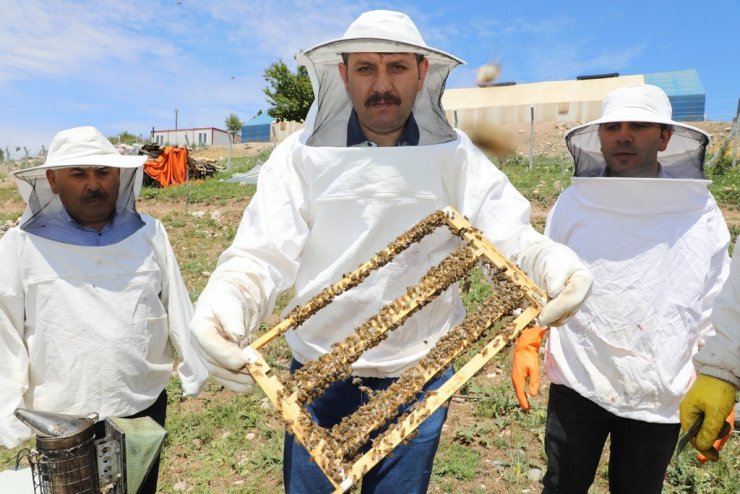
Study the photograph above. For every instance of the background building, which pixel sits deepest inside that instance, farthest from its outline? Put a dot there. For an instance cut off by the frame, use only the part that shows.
(566, 101)
(259, 129)
(202, 136)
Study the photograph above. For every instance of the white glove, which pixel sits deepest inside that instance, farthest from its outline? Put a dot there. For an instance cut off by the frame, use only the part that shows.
(221, 356)
(559, 272)
(239, 382)
(222, 322)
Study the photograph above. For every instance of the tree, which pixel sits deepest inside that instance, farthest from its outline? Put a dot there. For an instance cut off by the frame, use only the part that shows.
(233, 124)
(289, 94)
(124, 137)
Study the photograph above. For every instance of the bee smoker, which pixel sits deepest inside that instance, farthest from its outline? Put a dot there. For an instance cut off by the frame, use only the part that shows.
(69, 459)
(65, 456)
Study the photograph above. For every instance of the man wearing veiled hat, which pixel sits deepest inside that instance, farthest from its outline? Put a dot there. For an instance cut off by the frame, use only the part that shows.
(711, 398)
(640, 216)
(376, 156)
(92, 302)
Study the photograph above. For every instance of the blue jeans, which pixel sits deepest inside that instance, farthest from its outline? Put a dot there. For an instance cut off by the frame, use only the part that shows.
(407, 470)
(575, 435)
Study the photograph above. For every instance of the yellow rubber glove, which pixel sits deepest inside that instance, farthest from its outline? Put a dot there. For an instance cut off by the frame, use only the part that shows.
(715, 399)
(527, 363)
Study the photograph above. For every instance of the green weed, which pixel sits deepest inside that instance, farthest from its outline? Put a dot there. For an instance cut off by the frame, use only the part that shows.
(476, 434)
(456, 461)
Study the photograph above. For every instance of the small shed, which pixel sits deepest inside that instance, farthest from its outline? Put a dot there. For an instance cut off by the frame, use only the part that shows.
(259, 129)
(684, 90)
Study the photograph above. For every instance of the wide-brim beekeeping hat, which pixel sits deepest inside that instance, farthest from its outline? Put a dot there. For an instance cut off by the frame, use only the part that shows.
(376, 31)
(682, 158)
(79, 146)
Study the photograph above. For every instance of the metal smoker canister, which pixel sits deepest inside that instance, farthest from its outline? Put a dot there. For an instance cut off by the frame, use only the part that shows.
(66, 459)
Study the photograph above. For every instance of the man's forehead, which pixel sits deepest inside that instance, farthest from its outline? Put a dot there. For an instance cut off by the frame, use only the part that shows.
(85, 168)
(374, 55)
(631, 122)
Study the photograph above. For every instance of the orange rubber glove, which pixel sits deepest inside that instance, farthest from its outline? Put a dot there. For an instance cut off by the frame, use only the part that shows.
(527, 363)
(724, 435)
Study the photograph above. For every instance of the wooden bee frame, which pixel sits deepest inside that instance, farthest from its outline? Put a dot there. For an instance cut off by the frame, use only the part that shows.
(338, 453)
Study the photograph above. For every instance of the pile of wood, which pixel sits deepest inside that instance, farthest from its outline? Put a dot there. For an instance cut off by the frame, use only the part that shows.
(203, 167)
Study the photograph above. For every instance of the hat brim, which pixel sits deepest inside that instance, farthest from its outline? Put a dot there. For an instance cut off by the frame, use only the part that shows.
(330, 51)
(111, 160)
(635, 115)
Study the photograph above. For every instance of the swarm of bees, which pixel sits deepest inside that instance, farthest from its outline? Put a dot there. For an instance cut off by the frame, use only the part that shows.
(317, 375)
(415, 234)
(342, 451)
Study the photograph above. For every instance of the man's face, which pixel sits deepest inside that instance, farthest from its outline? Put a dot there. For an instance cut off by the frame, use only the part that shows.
(88, 193)
(383, 88)
(631, 148)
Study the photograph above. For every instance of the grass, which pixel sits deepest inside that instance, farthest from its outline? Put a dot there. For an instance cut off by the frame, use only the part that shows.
(215, 191)
(725, 187)
(456, 461)
(541, 185)
(212, 192)
(222, 442)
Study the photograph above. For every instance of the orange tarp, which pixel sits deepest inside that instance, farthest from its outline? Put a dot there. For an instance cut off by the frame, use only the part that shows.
(169, 167)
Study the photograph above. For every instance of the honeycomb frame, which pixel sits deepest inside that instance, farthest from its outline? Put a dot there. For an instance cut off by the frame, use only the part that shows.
(340, 454)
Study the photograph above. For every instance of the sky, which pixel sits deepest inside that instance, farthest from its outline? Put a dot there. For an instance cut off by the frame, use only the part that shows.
(139, 64)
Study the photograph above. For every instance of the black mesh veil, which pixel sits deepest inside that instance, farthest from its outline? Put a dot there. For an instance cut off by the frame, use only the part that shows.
(378, 32)
(41, 201)
(684, 154)
(683, 158)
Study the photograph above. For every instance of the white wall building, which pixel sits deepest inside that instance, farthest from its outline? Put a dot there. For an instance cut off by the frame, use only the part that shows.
(202, 136)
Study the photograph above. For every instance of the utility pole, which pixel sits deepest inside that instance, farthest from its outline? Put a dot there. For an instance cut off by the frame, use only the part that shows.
(736, 132)
(176, 137)
(231, 139)
(531, 137)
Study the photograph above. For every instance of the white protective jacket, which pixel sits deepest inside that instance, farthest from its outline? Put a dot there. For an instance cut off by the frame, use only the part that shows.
(320, 212)
(657, 249)
(91, 329)
(720, 356)
(323, 209)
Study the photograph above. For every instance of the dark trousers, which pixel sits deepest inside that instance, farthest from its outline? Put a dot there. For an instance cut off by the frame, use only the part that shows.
(158, 412)
(576, 432)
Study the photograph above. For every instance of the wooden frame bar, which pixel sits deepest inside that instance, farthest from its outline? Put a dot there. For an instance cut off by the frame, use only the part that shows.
(337, 454)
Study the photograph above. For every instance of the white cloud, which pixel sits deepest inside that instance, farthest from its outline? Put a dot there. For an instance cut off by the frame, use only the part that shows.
(129, 65)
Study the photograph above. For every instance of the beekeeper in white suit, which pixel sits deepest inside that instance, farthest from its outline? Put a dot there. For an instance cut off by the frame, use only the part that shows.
(91, 298)
(712, 396)
(640, 216)
(377, 155)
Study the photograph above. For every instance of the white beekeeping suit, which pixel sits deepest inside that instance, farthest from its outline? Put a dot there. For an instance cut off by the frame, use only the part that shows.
(88, 329)
(657, 248)
(720, 356)
(322, 209)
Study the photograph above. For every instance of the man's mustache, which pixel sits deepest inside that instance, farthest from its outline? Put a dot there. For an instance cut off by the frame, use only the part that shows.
(385, 98)
(93, 195)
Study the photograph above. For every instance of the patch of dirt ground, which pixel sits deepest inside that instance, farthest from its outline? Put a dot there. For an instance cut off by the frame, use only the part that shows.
(237, 150)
